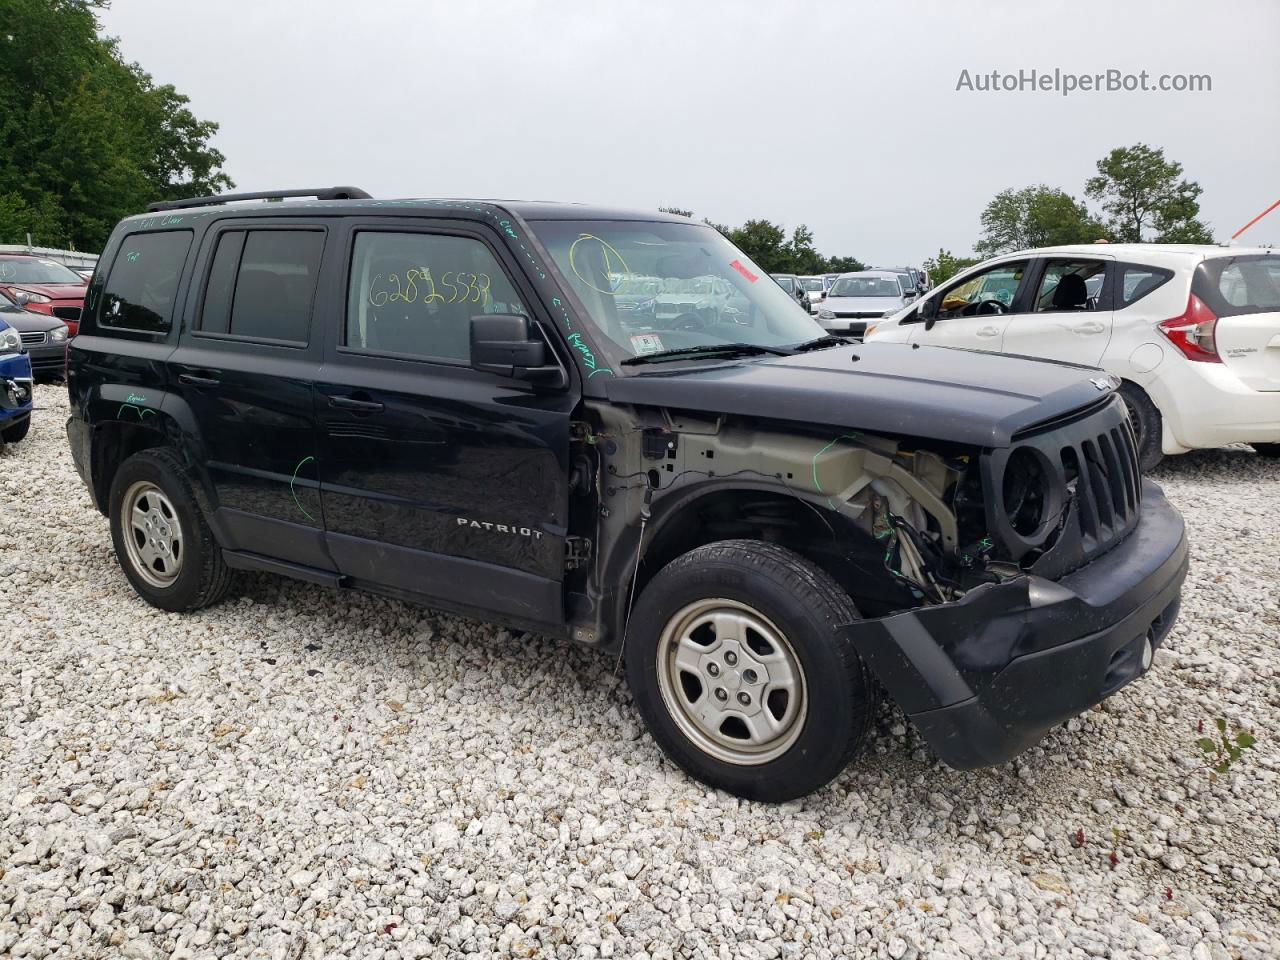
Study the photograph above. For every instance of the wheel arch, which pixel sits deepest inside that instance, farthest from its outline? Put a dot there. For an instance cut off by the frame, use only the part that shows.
(736, 510)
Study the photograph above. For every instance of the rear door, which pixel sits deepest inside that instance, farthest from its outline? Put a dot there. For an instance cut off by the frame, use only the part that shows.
(245, 367)
(1069, 315)
(438, 480)
(974, 312)
(1244, 294)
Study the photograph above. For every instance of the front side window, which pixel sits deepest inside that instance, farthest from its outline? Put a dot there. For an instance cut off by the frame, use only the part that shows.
(988, 291)
(414, 294)
(1070, 285)
(262, 283)
(143, 282)
(710, 292)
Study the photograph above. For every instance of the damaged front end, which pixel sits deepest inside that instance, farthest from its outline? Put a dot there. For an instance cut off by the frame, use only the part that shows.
(1004, 589)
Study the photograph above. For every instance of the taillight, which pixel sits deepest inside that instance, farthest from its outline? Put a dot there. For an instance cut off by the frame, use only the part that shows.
(1193, 332)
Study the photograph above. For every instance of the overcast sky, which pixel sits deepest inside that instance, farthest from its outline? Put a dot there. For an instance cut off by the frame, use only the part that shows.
(841, 115)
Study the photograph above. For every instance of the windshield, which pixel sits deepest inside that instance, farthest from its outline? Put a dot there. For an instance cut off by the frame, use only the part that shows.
(812, 284)
(865, 287)
(639, 286)
(35, 270)
(711, 292)
(7, 305)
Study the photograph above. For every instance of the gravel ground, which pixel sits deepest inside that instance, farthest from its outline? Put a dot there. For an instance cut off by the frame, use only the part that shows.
(303, 773)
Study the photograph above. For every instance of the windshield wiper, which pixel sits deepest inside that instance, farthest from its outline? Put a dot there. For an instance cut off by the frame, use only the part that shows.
(740, 349)
(830, 340)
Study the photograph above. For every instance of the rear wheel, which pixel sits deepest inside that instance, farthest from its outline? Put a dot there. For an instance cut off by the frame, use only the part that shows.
(16, 432)
(738, 666)
(162, 541)
(1267, 449)
(1148, 427)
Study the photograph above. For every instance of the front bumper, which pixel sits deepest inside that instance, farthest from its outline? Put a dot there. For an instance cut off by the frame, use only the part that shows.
(48, 359)
(986, 677)
(850, 326)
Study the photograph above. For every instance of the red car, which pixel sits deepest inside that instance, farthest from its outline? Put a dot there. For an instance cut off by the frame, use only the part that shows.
(44, 286)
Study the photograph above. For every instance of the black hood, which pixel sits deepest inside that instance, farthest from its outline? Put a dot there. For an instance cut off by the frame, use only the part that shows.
(934, 392)
(26, 321)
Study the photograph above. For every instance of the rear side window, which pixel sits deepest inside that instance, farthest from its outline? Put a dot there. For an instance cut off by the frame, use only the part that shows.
(1135, 281)
(143, 282)
(262, 284)
(414, 294)
(1231, 286)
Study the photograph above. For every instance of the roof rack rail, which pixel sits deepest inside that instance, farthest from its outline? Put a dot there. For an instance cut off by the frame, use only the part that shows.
(320, 193)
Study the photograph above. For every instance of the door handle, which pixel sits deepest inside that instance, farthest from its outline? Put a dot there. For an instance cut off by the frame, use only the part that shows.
(195, 381)
(1092, 326)
(989, 332)
(357, 405)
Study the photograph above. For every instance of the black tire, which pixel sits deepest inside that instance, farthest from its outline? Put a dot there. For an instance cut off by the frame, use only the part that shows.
(807, 606)
(17, 432)
(1148, 426)
(1266, 449)
(202, 578)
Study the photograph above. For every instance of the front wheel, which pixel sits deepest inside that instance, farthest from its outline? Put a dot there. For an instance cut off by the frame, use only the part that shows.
(737, 664)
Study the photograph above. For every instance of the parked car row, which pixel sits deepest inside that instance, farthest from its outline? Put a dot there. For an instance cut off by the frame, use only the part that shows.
(1192, 333)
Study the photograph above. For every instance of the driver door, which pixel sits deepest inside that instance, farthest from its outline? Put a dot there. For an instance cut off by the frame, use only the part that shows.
(974, 312)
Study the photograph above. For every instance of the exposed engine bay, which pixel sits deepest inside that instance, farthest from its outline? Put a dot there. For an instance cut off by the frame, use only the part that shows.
(902, 523)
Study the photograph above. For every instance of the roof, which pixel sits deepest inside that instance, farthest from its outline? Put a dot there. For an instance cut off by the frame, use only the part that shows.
(1139, 250)
(526, 209)
(871, 273)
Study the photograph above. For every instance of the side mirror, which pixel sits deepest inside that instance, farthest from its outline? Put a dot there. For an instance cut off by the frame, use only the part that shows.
(929, 313)
(509, 345)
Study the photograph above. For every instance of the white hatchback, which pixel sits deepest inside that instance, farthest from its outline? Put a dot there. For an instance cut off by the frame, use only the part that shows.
(1192, 332)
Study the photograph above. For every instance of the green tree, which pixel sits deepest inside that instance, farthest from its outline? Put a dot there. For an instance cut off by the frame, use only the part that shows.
(946, 265)
(1038, 216)
(768, 245)
(844, 265)
(1145, 197)
(86, 138)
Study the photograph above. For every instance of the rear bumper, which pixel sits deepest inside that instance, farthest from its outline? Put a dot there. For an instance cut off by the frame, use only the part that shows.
(1206, 405)
(986, 677)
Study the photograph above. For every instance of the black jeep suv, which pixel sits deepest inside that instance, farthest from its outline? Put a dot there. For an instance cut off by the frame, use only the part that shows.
(441, 400)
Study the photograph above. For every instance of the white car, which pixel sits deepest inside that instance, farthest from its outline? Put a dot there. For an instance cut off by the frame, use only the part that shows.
(1192, 332)
(857, 299)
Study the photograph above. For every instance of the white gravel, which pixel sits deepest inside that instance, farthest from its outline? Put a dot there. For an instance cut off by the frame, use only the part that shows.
(303, 773)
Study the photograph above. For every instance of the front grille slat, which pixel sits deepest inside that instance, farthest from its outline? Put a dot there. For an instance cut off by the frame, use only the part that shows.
(1115, 473)
(32, 339)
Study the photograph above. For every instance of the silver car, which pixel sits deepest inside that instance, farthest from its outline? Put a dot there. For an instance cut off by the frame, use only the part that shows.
(855, 299)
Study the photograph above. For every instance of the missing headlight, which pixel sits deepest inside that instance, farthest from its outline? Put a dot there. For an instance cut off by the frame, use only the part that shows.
(1026, 486)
